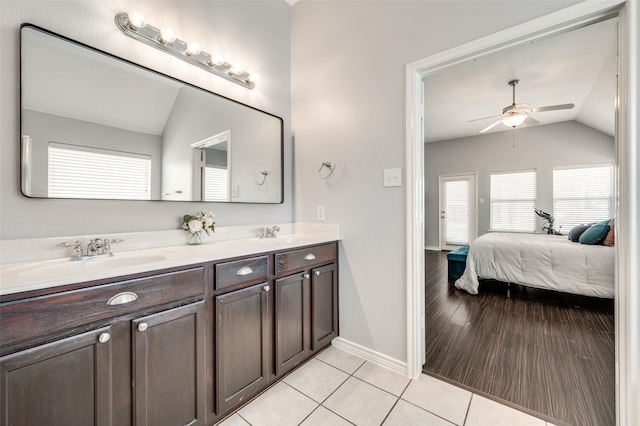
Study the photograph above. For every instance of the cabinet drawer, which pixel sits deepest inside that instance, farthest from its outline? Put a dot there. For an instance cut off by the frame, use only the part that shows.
(243, 271)
(28, 319)
(303, 258)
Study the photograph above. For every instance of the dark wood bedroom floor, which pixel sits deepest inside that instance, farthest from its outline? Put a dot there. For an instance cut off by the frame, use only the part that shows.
(543, 351)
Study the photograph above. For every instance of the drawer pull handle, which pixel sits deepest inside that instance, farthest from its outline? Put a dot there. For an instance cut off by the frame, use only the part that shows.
(104, 337)
(305, 276)
(317, 273)
(310, 256)
(122, 298)
(266, 288)
(143, 326)
(246, 270)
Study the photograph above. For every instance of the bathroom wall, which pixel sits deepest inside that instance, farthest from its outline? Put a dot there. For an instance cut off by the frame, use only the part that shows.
(348, 97)
(541, 148)
(253, 33)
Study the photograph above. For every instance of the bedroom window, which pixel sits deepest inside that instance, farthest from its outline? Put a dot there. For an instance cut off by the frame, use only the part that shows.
(582, 195)
(83, 172)
(513, 197)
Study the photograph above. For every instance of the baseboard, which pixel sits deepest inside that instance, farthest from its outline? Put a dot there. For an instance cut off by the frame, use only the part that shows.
(432, 248)
(382, 360)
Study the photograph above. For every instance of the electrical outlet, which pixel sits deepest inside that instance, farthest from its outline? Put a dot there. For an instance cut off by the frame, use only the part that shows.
(235, 191)
(320, 213)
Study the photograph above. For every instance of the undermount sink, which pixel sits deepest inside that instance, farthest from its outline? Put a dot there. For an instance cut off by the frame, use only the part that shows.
(72, 267)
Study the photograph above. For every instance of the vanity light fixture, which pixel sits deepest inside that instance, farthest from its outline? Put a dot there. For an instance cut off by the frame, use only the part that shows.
(135, 26)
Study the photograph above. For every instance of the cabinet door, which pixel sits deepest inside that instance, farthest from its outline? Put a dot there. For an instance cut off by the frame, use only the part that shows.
(324, 306)
(292, 321)
(242, 344)
(64, 383)
(169, 368)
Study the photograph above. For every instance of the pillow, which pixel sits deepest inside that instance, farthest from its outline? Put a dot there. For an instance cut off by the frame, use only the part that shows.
(609, 240)
(577, 230)
(596, 233)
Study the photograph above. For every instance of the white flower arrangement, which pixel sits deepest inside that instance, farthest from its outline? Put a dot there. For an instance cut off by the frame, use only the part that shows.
(199, 222)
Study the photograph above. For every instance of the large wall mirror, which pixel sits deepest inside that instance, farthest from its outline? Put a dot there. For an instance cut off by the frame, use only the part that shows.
(99, 127)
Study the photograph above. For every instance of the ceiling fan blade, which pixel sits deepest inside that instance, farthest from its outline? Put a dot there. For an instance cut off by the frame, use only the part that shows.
(485, 118)
(552, 107)
(530, 121)
(486, 129)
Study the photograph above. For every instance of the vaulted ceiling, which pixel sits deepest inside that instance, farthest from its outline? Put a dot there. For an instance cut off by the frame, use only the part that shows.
(576, 67)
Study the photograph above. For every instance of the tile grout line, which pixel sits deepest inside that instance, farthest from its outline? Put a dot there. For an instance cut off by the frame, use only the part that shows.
(466, 415)
(334, 391)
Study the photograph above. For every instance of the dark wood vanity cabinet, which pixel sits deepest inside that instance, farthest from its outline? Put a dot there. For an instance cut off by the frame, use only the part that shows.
(74, 358)
(195, 343)
(168, 367)
(243, 344)
(306, 303)
(272, 319)
(324, 306)
(291, 321)
(66, 382)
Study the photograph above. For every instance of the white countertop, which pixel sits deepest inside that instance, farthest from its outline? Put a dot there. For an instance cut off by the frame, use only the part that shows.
(39, 274)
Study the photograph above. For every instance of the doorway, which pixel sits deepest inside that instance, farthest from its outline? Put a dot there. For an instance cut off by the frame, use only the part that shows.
(489, 352)
(457, 211)
(561, 21)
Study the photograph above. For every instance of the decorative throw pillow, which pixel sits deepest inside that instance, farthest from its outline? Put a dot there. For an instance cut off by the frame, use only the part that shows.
(596, 233)
(577, 230)
(609, 240)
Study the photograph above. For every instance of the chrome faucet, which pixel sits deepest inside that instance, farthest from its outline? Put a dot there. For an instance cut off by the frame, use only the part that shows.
(95, 248)
(268, 232)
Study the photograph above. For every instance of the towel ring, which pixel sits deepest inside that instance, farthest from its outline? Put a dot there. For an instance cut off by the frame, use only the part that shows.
(329, 166)
(264, 177)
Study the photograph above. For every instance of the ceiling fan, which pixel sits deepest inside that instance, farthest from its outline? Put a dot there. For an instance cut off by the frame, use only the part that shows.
(516, 114)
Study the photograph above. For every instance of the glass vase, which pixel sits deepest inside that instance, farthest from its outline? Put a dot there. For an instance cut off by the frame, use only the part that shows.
(194, 239)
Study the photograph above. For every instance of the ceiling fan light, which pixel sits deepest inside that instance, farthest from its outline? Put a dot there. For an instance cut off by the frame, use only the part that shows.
(514, 120)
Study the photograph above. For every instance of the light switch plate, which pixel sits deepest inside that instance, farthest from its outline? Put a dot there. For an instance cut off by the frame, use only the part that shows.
(392, 177)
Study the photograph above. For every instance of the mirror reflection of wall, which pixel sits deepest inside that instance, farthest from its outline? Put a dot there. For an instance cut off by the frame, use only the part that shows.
(92, 102)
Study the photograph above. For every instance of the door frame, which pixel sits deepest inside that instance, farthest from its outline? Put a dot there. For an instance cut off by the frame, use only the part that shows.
(627, 319)
(473, 223)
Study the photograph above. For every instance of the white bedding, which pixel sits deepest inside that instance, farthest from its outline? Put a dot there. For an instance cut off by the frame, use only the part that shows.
(541, 261)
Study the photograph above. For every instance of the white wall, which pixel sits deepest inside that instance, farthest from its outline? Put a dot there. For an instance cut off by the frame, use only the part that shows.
(254, 33)
(542, 148)
(348, 69)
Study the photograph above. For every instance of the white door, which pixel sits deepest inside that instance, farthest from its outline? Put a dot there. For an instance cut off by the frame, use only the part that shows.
(457, 211)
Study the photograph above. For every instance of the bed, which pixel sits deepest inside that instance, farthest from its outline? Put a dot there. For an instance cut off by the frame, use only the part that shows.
(543, 261)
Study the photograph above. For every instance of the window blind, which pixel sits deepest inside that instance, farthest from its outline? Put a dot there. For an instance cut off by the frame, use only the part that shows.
(215, 184)
(513, 197)
(83, 172)
(457, 210)
(582, 195)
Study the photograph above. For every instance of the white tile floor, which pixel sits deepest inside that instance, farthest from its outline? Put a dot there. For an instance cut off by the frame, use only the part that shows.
(336, 388)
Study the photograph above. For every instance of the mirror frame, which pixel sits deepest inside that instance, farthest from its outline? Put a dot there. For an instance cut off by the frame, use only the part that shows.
(23, 166)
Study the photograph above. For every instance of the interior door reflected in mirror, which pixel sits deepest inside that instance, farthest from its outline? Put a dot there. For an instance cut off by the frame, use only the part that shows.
(98, 127)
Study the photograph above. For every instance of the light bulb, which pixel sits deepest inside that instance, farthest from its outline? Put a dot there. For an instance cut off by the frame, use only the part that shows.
(253, 78)
(167, 35)
(236, 69)
(514, 120)
(137, 19)
(193, 48)
(217, 60)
